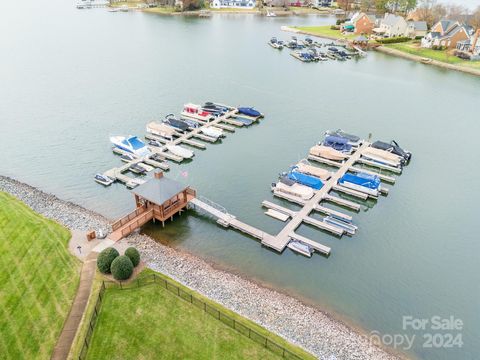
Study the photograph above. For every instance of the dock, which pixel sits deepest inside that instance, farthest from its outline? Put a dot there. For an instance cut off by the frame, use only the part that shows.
(224, 122)
(331, 221)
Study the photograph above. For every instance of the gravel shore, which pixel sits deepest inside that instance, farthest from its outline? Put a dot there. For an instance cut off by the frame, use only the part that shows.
(303, 325)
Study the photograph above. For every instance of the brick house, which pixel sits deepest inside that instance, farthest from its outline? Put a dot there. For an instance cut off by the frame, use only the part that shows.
(364, 24)
(446, 33)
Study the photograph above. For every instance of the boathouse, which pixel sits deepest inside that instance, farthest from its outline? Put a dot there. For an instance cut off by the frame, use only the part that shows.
(159, 198)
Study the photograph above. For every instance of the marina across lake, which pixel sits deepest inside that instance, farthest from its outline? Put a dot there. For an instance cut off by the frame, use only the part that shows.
(86, 75)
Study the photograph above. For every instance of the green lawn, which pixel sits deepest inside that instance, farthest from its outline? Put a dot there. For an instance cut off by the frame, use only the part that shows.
(439, 55)
(325, 31)
(38, 278)
(152, 323)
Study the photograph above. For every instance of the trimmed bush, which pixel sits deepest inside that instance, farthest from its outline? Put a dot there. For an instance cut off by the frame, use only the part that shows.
(122, 268)
(134, 255)
(105, 259)
(393, 40)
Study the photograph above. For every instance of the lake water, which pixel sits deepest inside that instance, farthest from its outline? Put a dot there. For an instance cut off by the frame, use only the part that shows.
(71, 78)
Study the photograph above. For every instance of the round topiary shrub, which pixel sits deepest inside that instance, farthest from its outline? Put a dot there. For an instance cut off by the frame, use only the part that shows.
(105, 259)
(134, 255)
(122, 268)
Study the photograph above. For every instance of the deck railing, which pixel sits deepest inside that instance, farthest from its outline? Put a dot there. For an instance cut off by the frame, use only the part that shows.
(139, 221)
(127, 218)
(208, 308)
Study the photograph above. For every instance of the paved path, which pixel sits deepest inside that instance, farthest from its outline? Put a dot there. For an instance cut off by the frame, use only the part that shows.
(65, 340)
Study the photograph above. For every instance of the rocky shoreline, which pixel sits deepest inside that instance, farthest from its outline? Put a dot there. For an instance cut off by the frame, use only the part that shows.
(305, 326)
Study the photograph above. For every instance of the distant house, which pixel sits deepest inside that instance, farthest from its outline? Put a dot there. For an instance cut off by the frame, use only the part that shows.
(241, 4)
(364, 23)
(446, 33)
(417, 29)
(359, 23)
(392, 26)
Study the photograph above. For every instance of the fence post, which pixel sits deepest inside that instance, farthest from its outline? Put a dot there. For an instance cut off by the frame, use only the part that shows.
(283, 352)
(154, 278)
(121, 288)
(178, 291)
(266, 341)
(234, 323)
(191, 298)
(249, 333)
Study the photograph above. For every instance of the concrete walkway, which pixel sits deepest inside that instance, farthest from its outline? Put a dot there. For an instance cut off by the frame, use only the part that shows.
(65, 340)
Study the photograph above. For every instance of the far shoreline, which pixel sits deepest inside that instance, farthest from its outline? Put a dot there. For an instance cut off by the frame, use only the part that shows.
(345, 331)
(392, 52)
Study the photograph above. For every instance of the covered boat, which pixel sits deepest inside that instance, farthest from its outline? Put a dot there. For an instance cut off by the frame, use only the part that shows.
(177, 124)
(383, 157)
(196, 112)
(290, 187)
(327, 153)
(103, 179)
(353, 140)
(131, 144)
(394, 148)
(338, 143)
(249, 111)
(366, 183)
(212, 132)
(304, 179)
(162, 130)
(306, 168)
(179, 151)
(301, 248)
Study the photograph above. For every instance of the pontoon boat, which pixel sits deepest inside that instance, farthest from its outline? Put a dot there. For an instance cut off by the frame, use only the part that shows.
(365, 183)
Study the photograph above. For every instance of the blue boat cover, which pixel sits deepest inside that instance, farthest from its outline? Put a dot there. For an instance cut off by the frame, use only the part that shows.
(337, 142)
(134, 142)
(304, 179)
(362, 179)
(249, 111)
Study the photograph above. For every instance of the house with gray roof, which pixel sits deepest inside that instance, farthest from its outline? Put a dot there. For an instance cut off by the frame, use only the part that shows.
(392, 26)
(447, 34)
(417, 29)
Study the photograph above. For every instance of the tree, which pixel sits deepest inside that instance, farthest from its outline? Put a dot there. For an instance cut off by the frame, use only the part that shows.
(475, 19)
(381, 6)
(345, 4)
(367, 5)
(430, 11)
(457, 12)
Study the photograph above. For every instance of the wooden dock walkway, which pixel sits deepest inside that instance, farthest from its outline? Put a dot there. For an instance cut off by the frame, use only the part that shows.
(222, 122)
(285, 235)
(281, 240)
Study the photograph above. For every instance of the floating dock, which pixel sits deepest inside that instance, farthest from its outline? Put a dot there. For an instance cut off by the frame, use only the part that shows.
(288, 233)
(225, 122)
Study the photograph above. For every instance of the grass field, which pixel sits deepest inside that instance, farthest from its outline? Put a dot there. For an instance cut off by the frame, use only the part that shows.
(38, 280)
(439, 55)
(325, 31)
(152, 323)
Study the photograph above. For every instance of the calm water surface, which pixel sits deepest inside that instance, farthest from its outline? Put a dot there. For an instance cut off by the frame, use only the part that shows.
(70, 79)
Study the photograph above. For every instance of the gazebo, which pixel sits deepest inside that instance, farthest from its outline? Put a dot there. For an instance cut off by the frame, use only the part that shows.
(159, 198)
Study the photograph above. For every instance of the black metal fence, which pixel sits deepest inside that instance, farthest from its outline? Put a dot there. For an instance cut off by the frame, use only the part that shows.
(92, 322)
(194, 300)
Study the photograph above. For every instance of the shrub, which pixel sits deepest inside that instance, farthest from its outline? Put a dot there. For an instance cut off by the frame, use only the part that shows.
(105, 259)
(133, 255)
(393, 40)
(122, 268)
(335, 27)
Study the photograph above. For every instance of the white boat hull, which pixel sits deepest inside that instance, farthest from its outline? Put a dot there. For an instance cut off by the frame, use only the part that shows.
(362, 189)
(179, 151)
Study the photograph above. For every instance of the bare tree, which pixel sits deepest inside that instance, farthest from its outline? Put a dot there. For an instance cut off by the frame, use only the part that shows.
(475, 19)
(457, 12)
